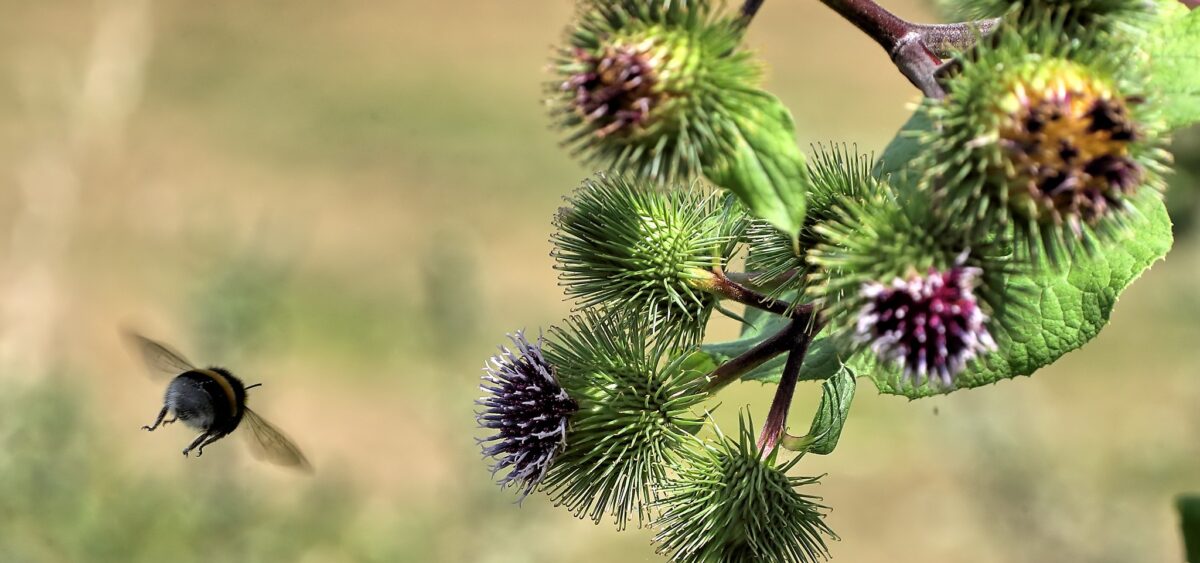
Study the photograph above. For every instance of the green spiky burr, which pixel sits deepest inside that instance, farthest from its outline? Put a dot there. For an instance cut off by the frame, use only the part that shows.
(1046, 139)
(734, 502)
(634, 418)
(665, 91)
(628, 246)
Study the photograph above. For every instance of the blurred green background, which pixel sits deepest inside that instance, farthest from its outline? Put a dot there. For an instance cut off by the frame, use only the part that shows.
(350, 202)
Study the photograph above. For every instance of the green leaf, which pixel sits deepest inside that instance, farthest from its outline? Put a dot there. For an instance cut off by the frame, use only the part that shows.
(905, 146)
(760, 161)
(697, 361)
(1174, 50)
(1189, 521)
(836, 395)
(824, 359)
(1052, 312)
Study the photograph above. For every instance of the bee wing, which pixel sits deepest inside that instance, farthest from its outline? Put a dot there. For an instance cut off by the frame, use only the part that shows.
(160, 358)
(269, 444)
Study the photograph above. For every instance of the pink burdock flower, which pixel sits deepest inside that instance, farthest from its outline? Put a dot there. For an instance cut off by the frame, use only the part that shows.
(930, 325)
(529, 411)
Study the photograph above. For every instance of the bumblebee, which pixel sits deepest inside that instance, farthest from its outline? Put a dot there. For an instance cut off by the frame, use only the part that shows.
(213, 401)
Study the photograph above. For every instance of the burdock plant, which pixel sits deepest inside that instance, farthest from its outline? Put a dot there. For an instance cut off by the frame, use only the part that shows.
(1050, 134)
(992, 236)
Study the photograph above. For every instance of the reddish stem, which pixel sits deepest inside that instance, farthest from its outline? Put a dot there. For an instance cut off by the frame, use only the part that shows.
(721, 285)
(776, 423)
(915, 48)
(735, 368)
(881, 25)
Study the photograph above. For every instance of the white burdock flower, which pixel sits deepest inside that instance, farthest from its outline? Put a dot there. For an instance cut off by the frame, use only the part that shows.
(528, 410)
(930, 325)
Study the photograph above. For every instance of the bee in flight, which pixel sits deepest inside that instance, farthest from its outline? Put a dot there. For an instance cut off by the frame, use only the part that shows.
(213, 401)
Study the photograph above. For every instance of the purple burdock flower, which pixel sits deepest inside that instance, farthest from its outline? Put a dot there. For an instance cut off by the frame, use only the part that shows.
(615, 92)
(930, 325)
(529, 411)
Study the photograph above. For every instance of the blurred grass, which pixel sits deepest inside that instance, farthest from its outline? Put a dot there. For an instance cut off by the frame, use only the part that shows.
(351, 203)
(63, 498)
(1189, 523)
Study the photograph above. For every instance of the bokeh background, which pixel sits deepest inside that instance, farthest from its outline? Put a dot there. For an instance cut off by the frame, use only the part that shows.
(350, 202)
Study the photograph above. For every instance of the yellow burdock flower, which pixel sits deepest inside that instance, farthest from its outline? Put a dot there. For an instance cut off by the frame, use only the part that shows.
(1066, 141)
(1043, 139)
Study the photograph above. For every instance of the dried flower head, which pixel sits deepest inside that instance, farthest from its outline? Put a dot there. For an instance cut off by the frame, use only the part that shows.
(929, 325)
(528, 410)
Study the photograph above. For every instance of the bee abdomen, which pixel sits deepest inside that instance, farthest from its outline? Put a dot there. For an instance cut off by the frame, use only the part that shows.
(191, 402)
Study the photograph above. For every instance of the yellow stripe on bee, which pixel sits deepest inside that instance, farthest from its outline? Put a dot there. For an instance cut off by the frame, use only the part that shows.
(225, 386)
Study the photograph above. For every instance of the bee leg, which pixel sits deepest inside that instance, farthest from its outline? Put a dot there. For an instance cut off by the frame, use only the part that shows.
(195, 443)
(157, 421)
(172, 421)
(211, 439)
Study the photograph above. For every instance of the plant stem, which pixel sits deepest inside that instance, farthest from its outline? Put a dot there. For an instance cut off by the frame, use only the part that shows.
(720, 284)
(749, 8)
(919, 65)
(879, 24)
(735, 368)
(943, 39)
(776, 422)
(753, 279)
(914, 48)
